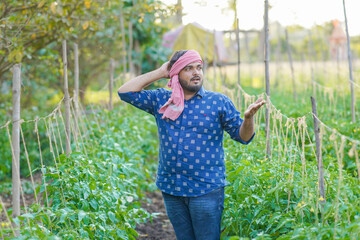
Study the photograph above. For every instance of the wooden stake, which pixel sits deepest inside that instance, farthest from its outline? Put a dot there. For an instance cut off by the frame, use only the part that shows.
(248, 54)
(131, 65)
(123, 43)
(238, 51)
(16, 90)
(350, 68)
(76, 90)
(291, 65)
(205, 56)
(319, 155)
(67, 103)
(312, 59)
(267, 80)
(214, 62)
(111, 84)
(278, 56)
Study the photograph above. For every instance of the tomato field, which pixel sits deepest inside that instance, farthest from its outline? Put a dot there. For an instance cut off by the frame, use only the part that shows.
(87, 162)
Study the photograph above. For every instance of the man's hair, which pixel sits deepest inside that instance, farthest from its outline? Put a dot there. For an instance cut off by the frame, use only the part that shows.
(175, 57)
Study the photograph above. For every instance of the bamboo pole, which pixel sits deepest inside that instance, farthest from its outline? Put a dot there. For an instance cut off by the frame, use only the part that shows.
(131, 65)
(312, 58)
(111, 84)
(76, 90)
(278, 58)
(214, 62)
(350, 67)
(248, 54)
(76, 72)
(267, 80)
(16, 89)
(238, 51)
(320, 165)
(205, 56)
(291, 64)
(66, 102)
(123, 43)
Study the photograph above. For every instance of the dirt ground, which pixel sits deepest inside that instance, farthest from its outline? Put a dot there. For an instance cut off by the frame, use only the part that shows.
(160, 228)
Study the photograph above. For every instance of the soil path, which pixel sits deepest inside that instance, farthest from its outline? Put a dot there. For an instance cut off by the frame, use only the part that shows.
(160, 228)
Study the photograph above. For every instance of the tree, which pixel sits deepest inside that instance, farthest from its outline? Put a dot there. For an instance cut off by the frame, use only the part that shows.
(32, 34)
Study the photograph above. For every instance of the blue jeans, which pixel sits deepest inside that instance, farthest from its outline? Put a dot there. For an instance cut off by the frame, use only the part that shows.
(196, 218)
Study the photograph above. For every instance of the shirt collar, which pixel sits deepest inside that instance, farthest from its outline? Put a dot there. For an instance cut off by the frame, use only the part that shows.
(201, 92)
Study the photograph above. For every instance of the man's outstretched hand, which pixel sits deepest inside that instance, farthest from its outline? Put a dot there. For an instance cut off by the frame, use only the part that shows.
(253, 108)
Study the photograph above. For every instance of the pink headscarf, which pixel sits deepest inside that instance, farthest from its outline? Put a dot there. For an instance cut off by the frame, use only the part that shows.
(175, 105)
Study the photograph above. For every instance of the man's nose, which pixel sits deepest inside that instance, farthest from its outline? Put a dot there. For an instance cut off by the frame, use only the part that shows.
(196, 71)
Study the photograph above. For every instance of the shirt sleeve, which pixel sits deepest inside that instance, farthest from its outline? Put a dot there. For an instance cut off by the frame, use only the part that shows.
(144, 100)
(231, 121)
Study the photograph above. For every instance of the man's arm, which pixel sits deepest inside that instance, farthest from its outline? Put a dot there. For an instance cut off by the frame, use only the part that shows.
(246, 130)
(138, 83)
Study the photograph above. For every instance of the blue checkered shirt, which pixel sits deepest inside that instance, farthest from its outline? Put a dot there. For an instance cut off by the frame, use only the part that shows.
(191, 154)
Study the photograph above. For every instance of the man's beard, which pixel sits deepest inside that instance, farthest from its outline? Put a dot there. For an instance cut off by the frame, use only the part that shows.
(186, 86)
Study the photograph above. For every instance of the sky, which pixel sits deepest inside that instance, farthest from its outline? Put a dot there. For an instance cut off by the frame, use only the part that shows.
(212, 13)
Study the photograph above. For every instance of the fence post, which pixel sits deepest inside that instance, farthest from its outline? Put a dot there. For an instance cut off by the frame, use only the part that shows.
(278, 58)
(318, 155)
(350, 68)
(214, 61)
(131, 43)
(205, 57)
(312, 60)
(238, 51)
(16, 90)
(266, 60)
(76, 90)
(112, 64)
(123, 44)
(248, 54)
(291, 64)
(66, 102)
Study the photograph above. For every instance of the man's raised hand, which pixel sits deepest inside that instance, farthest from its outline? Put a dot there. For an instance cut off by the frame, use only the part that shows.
(164, 70)
(253, 108)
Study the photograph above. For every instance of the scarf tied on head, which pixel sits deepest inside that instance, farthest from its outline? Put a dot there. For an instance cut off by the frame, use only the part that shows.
(175, 105)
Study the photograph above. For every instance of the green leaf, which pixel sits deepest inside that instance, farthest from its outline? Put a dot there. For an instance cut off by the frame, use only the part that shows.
(111, 216)
(28, 215)
(234, 238)
(81, 215)
(15, 56)
(94, 204)
(86, 194)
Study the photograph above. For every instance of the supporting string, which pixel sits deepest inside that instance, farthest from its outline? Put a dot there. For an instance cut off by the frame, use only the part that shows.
(41, 160)
(7, 216)
(17, 167)
(58, 132)
(52, 134)
(56, 165)
(292, 156)
(84, 129)
(78, 130)
(63, 122)
(339, 155)
(336, 131)
(74, 127)
(28, 162)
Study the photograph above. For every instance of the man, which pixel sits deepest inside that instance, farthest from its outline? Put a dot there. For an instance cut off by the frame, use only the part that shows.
(191, 122)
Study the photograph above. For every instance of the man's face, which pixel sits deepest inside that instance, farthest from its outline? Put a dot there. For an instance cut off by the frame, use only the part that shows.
(191, 77)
